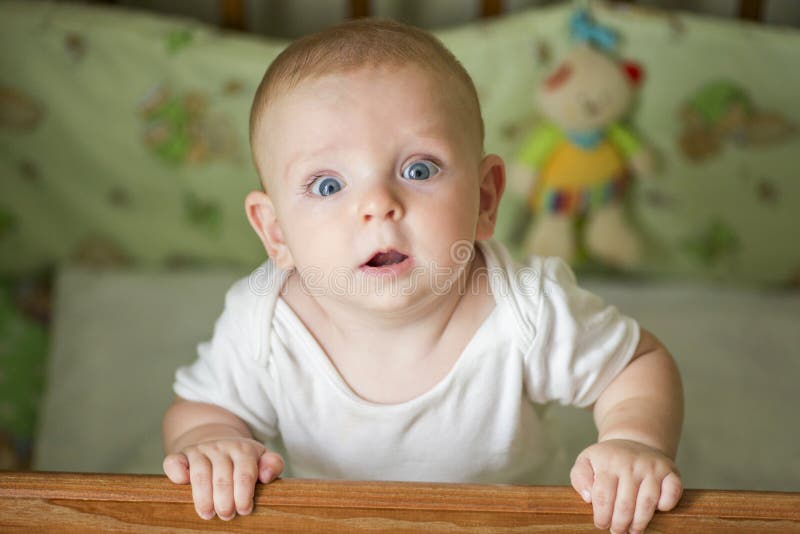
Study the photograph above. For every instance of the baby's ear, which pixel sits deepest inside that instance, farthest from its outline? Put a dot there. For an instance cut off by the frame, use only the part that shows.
(493, 183)
(264, 220)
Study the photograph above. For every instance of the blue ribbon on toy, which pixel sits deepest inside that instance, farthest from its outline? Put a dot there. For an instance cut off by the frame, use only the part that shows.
(587, 140)
(585, 29)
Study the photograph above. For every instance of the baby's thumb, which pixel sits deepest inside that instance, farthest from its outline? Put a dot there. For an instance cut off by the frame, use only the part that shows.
(270, 466)
(176, 467)
(582, 478)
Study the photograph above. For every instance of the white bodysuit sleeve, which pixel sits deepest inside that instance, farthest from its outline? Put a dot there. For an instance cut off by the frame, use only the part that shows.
(580, 343)
(228, 371)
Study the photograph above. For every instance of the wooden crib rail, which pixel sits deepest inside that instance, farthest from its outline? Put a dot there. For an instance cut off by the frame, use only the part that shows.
(53, 502)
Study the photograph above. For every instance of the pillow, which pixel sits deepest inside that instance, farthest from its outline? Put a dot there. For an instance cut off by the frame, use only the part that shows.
(117, 339)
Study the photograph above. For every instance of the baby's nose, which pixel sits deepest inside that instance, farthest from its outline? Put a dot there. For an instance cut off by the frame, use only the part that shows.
(381, 203)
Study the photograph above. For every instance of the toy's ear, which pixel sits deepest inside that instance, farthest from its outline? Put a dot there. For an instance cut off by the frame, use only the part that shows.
(634, 72)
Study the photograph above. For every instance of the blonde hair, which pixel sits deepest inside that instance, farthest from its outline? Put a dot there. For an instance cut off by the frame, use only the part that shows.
(360, 43)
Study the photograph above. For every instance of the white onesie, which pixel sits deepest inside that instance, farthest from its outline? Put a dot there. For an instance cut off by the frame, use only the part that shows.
(546, 340)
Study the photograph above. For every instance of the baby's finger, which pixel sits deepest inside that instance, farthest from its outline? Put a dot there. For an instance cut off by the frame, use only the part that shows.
(270, 466)
(176, 467)
(223, 486)
(245, 476)
(200, 477)
(604, 492)
(671, 491)
(582, 478)
(624, 504)
(646, 503)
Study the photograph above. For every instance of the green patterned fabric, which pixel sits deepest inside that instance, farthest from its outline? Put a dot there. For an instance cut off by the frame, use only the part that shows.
(23, 345)
(123, 136)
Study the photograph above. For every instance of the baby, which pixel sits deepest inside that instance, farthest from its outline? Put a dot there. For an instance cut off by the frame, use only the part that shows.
(388, 336)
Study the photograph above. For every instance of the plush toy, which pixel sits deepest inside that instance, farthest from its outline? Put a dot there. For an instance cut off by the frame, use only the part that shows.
(581, 157)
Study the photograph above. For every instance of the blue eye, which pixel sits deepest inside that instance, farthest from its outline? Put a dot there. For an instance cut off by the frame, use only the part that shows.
(420, 170)
(325, 186)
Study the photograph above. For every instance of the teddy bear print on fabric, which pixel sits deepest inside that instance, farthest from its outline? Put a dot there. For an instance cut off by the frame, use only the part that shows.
(180, 129)
(723, 113)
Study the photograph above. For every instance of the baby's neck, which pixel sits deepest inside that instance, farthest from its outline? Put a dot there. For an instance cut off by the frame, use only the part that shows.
(407, 334)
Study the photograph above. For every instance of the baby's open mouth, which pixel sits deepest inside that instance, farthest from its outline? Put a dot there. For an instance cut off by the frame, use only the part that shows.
(381, 259)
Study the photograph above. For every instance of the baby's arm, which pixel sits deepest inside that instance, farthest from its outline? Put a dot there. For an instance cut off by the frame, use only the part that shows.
(215, 451)
(630, 471)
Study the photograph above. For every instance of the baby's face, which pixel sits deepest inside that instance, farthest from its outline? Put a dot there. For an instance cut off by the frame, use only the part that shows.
(375, 179)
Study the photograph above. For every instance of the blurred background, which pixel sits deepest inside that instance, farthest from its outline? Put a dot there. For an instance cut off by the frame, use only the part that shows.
(291, 19)
(124, 162)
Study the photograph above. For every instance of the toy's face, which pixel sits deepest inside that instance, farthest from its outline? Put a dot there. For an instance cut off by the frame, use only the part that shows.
(586, 91)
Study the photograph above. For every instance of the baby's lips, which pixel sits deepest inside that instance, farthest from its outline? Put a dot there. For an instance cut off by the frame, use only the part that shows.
(386, 256)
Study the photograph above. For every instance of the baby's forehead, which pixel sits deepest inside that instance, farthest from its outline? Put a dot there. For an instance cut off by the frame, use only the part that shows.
(434, 95)
(363, 79)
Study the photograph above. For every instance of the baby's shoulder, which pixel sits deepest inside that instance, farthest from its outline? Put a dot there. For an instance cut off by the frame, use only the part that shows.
(533, 289)
(526, 282)
(250, 301)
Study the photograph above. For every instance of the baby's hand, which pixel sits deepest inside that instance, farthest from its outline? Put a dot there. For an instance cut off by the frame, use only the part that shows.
(223, 474)
(626, 481)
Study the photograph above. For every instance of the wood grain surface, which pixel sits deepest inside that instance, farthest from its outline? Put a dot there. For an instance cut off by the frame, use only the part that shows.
(61, 502)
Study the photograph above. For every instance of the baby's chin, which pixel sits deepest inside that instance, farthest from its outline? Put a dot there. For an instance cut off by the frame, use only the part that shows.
(389, 307)
(380, 294)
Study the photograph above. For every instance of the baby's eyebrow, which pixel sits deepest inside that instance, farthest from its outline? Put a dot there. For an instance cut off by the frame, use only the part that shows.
(436, 141)
(301, 157)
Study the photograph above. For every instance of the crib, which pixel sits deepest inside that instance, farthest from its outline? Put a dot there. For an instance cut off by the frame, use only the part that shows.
(70, 493)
